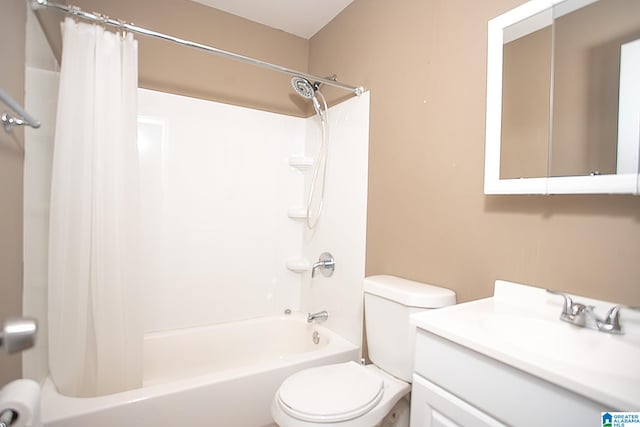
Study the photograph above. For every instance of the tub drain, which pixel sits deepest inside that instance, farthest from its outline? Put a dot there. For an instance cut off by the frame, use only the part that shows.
(316, 337)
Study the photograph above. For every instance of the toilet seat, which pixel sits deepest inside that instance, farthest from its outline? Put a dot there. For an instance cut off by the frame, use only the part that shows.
(331, 393)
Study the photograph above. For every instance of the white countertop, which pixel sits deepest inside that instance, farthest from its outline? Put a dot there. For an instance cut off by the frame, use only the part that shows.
(520, 327)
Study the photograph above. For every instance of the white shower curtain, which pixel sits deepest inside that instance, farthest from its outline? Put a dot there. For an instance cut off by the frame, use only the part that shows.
(95, 324)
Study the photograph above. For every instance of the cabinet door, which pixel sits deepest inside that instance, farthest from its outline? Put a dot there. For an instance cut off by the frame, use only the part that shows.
(432, 406)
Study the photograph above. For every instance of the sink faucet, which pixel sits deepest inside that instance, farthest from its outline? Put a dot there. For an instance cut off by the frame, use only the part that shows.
(321, 315)
(584, 315)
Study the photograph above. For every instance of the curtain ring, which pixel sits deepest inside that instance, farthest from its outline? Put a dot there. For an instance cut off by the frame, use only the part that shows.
(101, 18)
(123, 31)
(75, 12)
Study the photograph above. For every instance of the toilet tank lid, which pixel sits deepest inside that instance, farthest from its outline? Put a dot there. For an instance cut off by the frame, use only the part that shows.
(409, 292)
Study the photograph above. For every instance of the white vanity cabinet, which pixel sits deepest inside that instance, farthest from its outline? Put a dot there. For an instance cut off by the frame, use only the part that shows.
(509, 360)
(456, 386)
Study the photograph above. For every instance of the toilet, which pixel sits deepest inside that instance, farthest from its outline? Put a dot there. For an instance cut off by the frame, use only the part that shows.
(355, 395)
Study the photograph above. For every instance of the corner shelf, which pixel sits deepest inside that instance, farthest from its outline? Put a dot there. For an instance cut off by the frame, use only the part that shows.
(301, 163)
(298, 265)
(297, 213)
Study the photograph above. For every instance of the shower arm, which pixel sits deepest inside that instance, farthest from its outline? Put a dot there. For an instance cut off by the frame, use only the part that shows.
(107, 21)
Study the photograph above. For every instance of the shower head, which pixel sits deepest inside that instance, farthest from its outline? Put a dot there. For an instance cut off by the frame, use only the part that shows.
(307, 90)
(303, 87)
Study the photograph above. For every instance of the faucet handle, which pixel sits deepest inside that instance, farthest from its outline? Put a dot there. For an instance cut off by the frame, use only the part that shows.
(613, 315)
(611, 322)
(568, 307)
(326, 263)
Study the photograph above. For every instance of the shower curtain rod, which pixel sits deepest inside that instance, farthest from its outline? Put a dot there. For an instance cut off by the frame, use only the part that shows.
(105, 20)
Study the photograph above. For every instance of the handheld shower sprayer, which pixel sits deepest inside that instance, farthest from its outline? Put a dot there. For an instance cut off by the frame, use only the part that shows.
(316, 105)
(307, 90)
(315, 198)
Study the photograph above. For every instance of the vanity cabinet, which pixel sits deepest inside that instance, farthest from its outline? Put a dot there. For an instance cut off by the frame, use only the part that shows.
(432, 406)
(456, 386)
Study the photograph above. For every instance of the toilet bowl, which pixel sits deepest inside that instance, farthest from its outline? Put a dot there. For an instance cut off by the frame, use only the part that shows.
(354, 395)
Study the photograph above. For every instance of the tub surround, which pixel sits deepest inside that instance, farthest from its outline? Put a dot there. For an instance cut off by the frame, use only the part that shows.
(215, 187)
(342, 230)
(215, 195)
(520, 327)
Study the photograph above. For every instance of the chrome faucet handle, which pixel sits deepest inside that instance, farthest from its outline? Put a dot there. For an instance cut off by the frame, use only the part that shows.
(326, 263)
(611, 322)
(567, 306)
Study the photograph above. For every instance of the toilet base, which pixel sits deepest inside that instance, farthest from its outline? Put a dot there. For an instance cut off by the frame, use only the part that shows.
(399, 415)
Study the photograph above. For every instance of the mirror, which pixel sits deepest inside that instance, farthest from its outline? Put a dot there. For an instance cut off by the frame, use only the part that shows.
(563, 98)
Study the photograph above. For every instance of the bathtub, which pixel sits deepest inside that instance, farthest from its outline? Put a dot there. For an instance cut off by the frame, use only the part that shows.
(222, 375)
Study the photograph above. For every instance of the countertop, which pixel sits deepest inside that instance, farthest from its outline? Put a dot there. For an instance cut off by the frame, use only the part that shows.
(520, 327)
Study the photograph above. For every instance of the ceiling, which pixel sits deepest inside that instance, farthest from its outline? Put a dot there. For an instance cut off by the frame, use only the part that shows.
(303, 18)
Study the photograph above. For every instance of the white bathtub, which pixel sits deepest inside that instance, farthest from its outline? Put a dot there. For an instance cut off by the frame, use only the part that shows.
(215, 376)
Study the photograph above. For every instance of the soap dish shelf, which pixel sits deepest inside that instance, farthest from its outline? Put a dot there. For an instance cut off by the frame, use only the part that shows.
(301, 163)
(297, 213)
(298, 265)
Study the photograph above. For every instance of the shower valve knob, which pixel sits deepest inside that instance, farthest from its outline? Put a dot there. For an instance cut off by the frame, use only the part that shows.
(326, 263)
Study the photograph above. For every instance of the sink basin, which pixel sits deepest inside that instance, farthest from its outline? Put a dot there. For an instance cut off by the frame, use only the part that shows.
(520, 327)
(564, 343)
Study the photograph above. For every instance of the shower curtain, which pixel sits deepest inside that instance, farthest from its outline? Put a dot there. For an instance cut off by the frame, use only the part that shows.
(95, 325)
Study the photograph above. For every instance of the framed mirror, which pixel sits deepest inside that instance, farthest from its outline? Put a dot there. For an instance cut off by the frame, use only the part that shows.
(563, 98)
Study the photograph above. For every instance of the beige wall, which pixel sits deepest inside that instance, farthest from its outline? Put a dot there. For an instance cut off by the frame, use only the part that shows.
(425, 64)
(12, 52)
(424, 61)
(172, 68)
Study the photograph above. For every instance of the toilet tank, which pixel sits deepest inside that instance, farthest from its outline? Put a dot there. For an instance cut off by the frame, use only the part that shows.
(388, 303)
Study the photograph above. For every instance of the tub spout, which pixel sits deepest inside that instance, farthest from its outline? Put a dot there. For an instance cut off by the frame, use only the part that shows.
(321, 315)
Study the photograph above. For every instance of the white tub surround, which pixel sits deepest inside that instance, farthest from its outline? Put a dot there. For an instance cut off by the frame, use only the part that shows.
(343, 226)
(221, 375)
(219, 195)
(216, 194)
(574, 372)
(216, 187)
